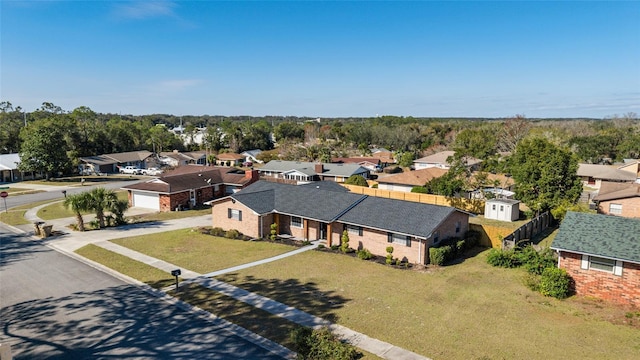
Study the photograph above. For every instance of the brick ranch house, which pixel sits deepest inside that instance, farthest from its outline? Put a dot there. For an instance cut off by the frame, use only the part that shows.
(188, 186)
(323, 210)
(602, 255)
(621, 199)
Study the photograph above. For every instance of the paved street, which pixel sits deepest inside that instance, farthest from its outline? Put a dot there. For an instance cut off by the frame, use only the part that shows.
(56, 307)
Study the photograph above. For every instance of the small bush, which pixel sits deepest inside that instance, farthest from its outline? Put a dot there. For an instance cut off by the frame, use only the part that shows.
(335, 247)
(321, 344)
(364, 254)
(440, 255)
(273, 232)
(389, 259)
(460, 246)
(321, 246)
(398, 262)
(389, 249)
(503, 258)
(233, 234)
(306, 243)
(218, 231)
(555, 282)
(344, 244)
(535, 262)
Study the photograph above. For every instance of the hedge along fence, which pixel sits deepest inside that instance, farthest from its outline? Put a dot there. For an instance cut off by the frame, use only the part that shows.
(475, 206)
(528, 230)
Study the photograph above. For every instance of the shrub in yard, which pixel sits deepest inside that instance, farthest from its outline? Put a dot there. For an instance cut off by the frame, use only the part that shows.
(364, 254)
(273, 232)
(555, 282)
(232, 234)
(321, 344)
(389, 257)
(472, 239)
(344, 244)
(460, 247)
(536, 261)
(532, 281)
(439, 255)
(335, 247)
(218, 231)
(503, 258)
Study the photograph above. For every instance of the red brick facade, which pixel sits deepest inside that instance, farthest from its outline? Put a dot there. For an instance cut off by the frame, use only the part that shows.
(621, 289)
(373, 240)
(630, 207)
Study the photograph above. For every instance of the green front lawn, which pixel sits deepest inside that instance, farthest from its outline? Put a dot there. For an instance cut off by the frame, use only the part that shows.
(140, 271)
(465, 311)
(57, 210)
(201, 253)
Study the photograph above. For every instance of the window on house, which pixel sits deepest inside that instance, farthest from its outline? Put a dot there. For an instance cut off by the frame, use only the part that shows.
(493, 206)
(436, 237)
(356, 230)
(615, 209)
(296, 222)
(602, 264)
(234, 214)
(457, 227)
(399, 239)
(501, 207)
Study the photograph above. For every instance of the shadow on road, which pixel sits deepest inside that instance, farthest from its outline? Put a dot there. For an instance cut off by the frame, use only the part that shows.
(116, 322)
(17, 247)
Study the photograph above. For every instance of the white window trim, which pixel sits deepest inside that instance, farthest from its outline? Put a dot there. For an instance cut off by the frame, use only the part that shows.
(615, 209)
(586, 264)
(296, 225)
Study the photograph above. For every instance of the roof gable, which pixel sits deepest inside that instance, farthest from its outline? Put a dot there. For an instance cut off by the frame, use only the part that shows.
(606, 236)
(617, 190)
(413, 178)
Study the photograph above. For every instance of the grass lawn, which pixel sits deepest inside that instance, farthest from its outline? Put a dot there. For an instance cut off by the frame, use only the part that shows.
(15, 216)
(465, 311)
(147, 274)
(201, 253)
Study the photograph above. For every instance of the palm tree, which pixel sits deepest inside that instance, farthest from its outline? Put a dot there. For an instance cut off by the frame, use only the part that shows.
(78, 203)
(101, 199)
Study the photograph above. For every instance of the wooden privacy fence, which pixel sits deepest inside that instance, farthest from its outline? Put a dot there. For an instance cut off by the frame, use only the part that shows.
(475, 206)
(528, 230)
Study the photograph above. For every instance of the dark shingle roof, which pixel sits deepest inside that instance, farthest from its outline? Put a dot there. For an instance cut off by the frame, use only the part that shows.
(399, 216)
(308, 201)
(304, 201)
(606, 236)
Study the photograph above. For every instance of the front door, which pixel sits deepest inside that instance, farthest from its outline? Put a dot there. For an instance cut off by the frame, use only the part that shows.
(323, 231)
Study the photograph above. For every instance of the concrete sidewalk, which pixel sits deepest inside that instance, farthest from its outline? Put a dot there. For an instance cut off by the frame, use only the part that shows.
(70, 241)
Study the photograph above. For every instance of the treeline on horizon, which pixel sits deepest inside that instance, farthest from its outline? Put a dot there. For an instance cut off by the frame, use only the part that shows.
(83, 132)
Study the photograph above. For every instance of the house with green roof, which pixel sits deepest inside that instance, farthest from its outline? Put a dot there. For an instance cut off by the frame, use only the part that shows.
(323, 210)
(602, 255)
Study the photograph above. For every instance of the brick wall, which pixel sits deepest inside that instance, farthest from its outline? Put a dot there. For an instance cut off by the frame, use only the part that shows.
(630, 207)
(171, 202)
(624, 289)
(249, 225)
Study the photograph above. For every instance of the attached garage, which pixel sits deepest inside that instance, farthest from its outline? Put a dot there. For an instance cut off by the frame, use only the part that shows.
(146, 200)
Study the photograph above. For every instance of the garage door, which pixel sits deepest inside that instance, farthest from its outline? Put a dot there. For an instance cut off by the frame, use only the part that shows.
(146, 200)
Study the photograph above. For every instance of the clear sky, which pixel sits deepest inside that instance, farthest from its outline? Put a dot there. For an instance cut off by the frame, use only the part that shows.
(324, 59)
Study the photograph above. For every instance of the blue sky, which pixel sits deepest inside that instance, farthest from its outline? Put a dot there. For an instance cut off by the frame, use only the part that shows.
(324, 59)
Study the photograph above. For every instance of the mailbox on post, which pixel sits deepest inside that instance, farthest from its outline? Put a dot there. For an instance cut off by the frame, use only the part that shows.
(176, 273)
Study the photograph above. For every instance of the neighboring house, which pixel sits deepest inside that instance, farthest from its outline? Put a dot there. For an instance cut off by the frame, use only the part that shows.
(229, 159)
(632, 166)
(251, 156)
(593, 175)
(175, 158)
(440, 160)
(110, 163)
(319, 212)
(409, 179)
(385, 156)
(188, 186)
(602, 255)
(370, 163)
(304, 172)
(502, 209)
(9, 167)
(621, 199)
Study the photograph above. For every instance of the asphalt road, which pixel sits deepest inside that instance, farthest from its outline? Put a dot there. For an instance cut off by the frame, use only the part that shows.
(55, 307)
(19, 200)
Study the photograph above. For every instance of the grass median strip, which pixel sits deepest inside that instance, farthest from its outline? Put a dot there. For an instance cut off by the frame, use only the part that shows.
(149, 275)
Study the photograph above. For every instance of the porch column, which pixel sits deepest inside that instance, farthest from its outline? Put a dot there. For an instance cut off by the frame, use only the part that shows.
(276, 220)
(329, 235)
(305, 223)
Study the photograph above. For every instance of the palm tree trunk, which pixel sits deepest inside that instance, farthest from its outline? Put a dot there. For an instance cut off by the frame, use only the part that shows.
(80, 221)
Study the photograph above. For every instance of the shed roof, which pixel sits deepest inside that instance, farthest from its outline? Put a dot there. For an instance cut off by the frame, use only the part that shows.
(606, 236)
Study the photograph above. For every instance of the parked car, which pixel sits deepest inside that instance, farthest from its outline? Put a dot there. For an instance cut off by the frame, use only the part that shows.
(131, 170)
(152, 171)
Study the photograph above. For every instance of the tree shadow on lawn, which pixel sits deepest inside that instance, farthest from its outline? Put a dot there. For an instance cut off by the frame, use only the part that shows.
(307, 297)
(117, 322)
